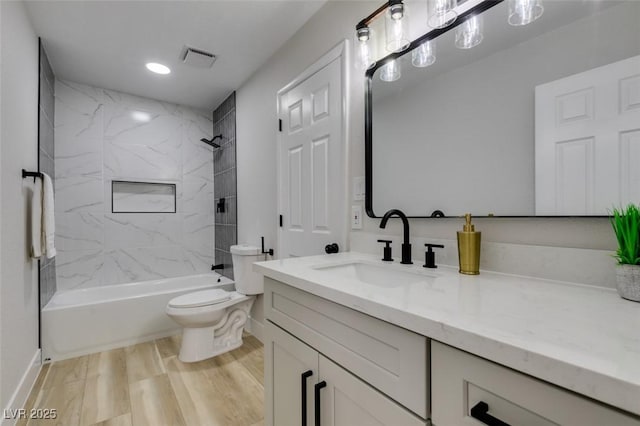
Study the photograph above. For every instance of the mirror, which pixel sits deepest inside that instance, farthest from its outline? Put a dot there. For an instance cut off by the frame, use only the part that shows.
(536, 120)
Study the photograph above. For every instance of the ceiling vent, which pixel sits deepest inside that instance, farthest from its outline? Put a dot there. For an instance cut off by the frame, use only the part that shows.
(198, 58)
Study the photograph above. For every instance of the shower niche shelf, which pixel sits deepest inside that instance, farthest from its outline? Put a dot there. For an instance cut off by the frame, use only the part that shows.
(143, 197)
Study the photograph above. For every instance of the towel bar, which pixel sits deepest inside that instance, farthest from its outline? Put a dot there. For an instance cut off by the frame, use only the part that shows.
(34, 175)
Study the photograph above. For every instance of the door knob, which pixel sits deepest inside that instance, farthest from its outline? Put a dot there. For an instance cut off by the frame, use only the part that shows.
(331, 248)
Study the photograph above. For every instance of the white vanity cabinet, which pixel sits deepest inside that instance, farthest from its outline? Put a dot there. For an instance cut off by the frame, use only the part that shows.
(306, 388)
(374, 372)
(291, 371)
(461, 381)
(378, 372)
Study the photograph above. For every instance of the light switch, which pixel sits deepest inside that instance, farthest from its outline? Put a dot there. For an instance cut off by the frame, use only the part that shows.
(356, 217)
(358, 188)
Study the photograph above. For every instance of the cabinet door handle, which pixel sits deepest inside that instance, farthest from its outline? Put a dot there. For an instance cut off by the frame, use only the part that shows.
(303, 380)
(316, 390)
(480, 412)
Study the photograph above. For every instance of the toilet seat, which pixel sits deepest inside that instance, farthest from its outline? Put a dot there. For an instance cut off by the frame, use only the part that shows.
(200, 298)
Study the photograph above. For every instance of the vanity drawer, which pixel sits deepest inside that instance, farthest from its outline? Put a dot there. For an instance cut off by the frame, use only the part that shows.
(460, 381)
(391, 359)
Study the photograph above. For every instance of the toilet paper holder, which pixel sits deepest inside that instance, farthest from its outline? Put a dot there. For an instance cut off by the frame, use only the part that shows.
(269, 252)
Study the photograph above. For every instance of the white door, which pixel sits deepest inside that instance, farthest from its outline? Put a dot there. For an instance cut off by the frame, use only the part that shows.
(312, 187)
(588, 141)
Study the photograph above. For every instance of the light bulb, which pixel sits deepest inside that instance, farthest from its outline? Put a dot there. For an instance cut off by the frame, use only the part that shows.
(397, 28)
(424, 55)
(396, 11)
(441, 13)
(469, 33)
(363, 33)
(523, 12)
(364, 48)
(390, 71)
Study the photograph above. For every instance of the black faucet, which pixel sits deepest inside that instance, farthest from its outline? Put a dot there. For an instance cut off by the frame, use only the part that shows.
(406, 246)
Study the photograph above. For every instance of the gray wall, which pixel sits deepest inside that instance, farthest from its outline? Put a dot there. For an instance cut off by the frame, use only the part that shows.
(46, 118)
(224, 170)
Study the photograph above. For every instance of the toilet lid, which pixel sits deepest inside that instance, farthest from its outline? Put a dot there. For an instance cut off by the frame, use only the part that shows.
(200, 298)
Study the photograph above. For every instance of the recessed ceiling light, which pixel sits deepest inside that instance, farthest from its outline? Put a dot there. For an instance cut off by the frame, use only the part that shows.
(158, 68)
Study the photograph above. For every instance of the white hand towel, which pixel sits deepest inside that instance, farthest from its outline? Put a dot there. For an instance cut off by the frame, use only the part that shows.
(48, 218)
(36, 220)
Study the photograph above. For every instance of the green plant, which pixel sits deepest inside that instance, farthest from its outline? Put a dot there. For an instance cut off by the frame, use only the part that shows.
(626, 225)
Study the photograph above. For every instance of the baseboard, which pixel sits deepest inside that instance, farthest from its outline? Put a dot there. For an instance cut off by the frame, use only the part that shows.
(19, 397)
(256, 328)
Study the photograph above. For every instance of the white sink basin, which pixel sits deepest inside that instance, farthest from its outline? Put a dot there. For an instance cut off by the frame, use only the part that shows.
(378, 275)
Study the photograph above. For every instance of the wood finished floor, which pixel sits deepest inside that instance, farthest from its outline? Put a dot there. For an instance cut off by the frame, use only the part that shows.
(146, 384)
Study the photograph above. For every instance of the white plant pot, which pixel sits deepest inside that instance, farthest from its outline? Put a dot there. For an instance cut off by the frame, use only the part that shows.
(628, 282)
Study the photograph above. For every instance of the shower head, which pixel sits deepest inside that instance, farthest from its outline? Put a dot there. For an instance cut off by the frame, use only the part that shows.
(211, 142)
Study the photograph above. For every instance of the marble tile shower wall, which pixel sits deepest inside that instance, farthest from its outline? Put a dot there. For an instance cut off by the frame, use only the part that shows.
(224, 164)
(46, 118)
(103, 135)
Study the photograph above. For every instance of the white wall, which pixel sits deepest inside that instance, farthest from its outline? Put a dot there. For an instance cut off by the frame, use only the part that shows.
(103, 135)
(18, 131)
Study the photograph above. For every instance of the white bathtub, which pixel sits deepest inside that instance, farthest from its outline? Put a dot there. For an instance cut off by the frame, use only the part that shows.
(79, 322)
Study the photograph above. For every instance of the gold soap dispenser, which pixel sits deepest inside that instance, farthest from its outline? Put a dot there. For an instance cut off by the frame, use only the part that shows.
(469, 248)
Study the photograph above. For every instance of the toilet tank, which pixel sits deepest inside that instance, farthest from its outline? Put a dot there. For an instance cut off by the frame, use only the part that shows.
(247, 281)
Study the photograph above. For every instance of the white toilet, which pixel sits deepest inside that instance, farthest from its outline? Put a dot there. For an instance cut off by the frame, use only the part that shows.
(213, 320)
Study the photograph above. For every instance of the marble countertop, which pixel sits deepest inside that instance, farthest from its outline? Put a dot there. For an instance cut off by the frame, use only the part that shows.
(582, 338)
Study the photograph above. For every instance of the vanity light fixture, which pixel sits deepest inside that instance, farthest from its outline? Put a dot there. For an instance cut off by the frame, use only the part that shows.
(469, 33)
(364, 47)
(441, 13)
(523, 12)
(390, 71)
(424, 55)
(397, 26)
(158, 68)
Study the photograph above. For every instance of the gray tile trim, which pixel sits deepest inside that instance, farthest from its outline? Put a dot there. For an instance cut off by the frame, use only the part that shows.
(225, 182)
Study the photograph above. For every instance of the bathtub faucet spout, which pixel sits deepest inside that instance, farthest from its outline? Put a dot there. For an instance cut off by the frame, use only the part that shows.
(218, 266)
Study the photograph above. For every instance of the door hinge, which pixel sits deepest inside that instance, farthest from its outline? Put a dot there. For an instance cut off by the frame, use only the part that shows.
(279, 125)
(280, 221)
